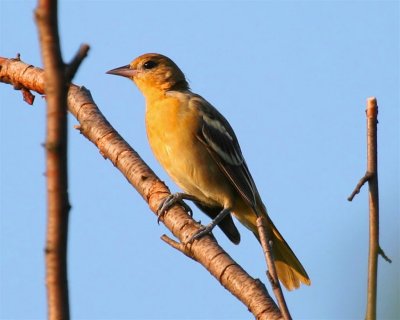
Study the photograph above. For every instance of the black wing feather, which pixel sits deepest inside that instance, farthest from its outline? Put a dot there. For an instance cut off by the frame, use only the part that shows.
(220, 140)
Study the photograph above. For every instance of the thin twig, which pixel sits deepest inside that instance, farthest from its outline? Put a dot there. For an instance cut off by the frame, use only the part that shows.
(265, 239)
(383, 255)
(73, 66)
(368, 175)
(178, 246)
(29, 98)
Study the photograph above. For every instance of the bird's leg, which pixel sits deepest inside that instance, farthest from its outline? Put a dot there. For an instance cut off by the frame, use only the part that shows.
(208, 228)
(173, 199)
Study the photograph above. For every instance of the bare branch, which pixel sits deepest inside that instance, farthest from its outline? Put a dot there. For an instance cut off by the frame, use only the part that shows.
(383, 255)
(206, 250)
(26, 94)
(371, 176)
(372, 167)
(73, 66)
(56, 161)
(176, 245)
(357, 189)
(29, 98)
(265, 240)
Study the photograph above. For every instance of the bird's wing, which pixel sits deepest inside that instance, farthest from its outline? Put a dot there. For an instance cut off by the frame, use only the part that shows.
(220, 140)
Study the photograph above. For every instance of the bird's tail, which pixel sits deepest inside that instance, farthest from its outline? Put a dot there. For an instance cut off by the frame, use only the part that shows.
(289, 269)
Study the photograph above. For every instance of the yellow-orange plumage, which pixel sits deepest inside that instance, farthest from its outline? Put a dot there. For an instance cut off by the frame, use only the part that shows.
(199, 150)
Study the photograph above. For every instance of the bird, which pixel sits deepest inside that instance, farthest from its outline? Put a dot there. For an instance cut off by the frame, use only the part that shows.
(199, 150)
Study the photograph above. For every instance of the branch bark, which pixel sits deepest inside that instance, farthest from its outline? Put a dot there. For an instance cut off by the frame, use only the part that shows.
(265, 240)
(56, 161)
(372, 168)
(206, 250)
(371, 176)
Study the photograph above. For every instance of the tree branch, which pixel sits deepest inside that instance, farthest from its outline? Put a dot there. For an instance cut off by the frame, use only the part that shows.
(73, 66)
(56, 161)
(206, 250)
(371, 176)
(265, 239)
(357, 189)
(372, 168)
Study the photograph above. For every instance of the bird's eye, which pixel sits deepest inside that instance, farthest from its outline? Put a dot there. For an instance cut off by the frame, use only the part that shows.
(149, 64)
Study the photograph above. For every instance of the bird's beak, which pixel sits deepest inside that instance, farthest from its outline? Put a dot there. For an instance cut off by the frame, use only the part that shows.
(124, 71)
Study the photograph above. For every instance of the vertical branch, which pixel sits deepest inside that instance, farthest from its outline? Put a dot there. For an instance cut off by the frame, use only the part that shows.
(56, 160)
(265, 237)
(373, 195)
(372, 169)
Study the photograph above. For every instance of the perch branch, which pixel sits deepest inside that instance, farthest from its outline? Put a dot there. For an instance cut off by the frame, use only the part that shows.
(206, 250)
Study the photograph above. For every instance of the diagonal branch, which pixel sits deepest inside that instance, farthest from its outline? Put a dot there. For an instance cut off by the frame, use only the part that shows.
(73, 66)
(368, 176)
(206, 250)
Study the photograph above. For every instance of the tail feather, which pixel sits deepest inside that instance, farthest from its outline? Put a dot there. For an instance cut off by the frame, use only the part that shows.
(290, 271)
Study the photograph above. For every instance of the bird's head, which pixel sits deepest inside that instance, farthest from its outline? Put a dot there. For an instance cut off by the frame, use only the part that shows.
(153, 71)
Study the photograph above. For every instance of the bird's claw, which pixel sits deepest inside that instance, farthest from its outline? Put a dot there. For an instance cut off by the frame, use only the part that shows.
(186, 208)
(169, 202)
(204, 230)
(166, 204)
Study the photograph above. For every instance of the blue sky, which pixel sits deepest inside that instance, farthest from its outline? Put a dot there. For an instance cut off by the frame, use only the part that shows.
(292, 77)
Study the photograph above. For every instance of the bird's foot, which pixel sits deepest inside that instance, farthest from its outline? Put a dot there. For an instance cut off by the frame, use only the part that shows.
(204, 230)
(170, 201)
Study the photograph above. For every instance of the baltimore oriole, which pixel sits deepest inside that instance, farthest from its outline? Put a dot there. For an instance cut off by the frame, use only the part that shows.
(199, 150)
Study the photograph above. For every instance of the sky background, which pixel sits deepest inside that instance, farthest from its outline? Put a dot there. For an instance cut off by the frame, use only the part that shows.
(291, 77)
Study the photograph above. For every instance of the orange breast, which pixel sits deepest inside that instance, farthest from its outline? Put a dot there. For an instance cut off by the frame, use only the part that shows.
(171, 130)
